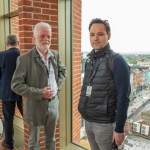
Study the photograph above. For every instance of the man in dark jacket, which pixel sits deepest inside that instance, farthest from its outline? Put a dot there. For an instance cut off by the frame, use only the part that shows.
(9, 98)
(105, 93)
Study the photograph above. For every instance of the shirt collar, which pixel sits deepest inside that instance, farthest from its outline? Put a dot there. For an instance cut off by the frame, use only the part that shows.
(12, 47)
(42, 56)
(100, 53)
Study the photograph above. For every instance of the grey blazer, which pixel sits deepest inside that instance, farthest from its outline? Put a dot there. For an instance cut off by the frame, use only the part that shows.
(29, 78)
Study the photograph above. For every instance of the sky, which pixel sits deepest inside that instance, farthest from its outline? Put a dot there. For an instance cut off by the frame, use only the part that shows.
(129, 21)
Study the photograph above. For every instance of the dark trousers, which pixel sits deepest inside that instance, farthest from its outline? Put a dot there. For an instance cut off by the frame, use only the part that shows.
(8, 108)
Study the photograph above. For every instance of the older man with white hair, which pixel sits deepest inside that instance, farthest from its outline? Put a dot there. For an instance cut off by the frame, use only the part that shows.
(38, 78)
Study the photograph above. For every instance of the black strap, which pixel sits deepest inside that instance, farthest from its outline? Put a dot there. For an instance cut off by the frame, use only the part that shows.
(47, 69)
(114, 146)
(93, 69)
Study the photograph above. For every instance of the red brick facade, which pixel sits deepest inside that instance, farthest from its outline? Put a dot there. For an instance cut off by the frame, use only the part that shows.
(76, 68)
(13, 5)
(32, 12)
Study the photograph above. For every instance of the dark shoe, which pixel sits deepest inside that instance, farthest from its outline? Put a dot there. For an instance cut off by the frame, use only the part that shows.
(7, 147)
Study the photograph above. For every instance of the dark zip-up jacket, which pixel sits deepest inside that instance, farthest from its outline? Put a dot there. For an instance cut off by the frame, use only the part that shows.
(110, 91)
(7, 67)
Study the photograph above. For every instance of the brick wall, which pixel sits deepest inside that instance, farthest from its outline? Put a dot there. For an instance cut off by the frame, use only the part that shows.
(13, 5)
(76, 68)
(32, 12)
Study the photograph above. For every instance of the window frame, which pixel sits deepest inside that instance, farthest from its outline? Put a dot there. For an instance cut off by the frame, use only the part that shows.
(4, 23)
(65, 46)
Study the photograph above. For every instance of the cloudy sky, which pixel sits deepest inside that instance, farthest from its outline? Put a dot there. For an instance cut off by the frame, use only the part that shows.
(129, 21)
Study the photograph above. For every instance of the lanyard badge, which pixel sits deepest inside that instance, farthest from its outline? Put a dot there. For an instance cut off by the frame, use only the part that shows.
(92, 75)
(88, 91)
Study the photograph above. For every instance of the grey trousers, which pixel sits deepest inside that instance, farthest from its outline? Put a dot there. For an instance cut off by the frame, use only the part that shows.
(99, 135)
(49, 129)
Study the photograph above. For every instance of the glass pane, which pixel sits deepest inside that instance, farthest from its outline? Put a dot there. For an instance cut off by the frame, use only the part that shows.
(15, 30)
(130, 38)
(15, 25)
(18, 119)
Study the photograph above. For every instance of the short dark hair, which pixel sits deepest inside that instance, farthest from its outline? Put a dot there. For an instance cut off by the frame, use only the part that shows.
(12, 39)
(99, 20)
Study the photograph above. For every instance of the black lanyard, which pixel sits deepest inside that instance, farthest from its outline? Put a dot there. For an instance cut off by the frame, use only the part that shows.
(93, 69)
(47, 67)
